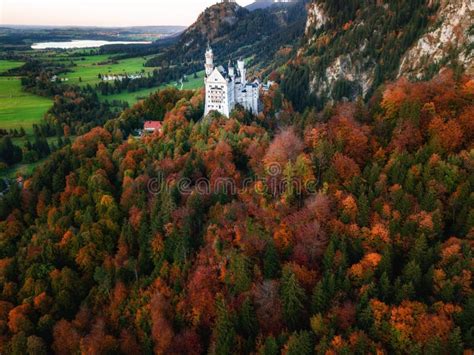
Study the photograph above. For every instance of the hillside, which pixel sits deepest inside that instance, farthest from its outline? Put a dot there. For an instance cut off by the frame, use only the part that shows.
(350, 48)
(235, 32)
(134, 246)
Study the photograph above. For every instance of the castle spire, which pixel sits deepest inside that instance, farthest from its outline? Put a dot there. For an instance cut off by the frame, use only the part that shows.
(209, 60)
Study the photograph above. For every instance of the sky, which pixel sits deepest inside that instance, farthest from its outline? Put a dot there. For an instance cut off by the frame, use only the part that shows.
(103, 12)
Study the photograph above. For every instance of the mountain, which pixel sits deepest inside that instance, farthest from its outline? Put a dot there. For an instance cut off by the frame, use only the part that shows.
(234, 31)
(259, 4)
(263, 4)
(351, 47)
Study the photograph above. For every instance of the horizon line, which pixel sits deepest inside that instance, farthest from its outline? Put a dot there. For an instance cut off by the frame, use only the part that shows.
(90, 26)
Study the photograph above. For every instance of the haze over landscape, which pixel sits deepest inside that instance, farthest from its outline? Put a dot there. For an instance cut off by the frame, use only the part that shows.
(103, 12)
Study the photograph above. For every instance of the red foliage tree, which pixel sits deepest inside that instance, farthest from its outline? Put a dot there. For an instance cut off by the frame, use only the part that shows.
(66, 338)
(345, 167)
(162, 330)
(286, 146)
(98, 342)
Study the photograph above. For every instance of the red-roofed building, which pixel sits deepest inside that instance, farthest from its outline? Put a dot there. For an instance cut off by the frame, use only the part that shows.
(153, 126)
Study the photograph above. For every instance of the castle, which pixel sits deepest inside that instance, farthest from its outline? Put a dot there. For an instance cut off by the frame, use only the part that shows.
(226, 88)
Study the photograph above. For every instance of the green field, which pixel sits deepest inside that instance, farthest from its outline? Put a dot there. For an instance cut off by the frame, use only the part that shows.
(88, 68)
(194, 83)
(19, 108)
(6, 65)
(130, 97)
(133, 97)
(20, 170)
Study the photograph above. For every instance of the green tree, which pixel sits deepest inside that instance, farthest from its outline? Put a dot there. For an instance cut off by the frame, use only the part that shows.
(247, 324)
(293, 297)
(224, 329)
(455, 343)
(299, 344)
(270, 347)
(364, 210)
(271, 261)
(18, 344)
(9, 153)
(319, 300)
(385, 288)
(240, 273)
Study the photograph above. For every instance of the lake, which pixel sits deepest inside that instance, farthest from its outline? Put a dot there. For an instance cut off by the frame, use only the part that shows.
(79, 44)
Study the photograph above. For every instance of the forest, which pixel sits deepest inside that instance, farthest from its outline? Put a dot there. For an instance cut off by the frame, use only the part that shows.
(368, 249)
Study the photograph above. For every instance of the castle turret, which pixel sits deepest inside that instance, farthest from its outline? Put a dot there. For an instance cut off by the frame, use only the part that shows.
(231, 70)
(242, 70)
(209, 61)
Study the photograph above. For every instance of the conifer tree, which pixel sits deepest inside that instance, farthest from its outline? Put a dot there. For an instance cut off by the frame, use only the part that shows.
(271, 262)
(455, 344)
(299, 344)
(292, 298)
(319, 298)
(240, 269)
(224, 329)
(247, 324)
(385, 287)
(270, 347)
(363, 209)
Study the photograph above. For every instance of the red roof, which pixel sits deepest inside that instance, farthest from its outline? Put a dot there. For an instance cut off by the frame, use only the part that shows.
(153, 125)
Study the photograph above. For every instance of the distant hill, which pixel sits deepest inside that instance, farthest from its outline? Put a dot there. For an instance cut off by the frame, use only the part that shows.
(263, 4)
(259, 4)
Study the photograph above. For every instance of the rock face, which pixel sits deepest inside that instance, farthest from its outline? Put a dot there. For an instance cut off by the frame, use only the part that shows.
(316, 17)
(453, 35)
(352, 47)
(211, 21)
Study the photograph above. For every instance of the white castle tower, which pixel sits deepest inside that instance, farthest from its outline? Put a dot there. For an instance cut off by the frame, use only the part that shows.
(209, 61)
(243, 71)
(226, 88)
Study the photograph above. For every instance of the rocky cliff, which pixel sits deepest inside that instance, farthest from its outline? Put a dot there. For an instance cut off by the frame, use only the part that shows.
(350, 47)
(449, 40)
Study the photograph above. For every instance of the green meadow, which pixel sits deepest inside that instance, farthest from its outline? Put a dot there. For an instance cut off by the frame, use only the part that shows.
(194, 83)
(133, 97)
(6, 65)
(19, 108)
(87, 68)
